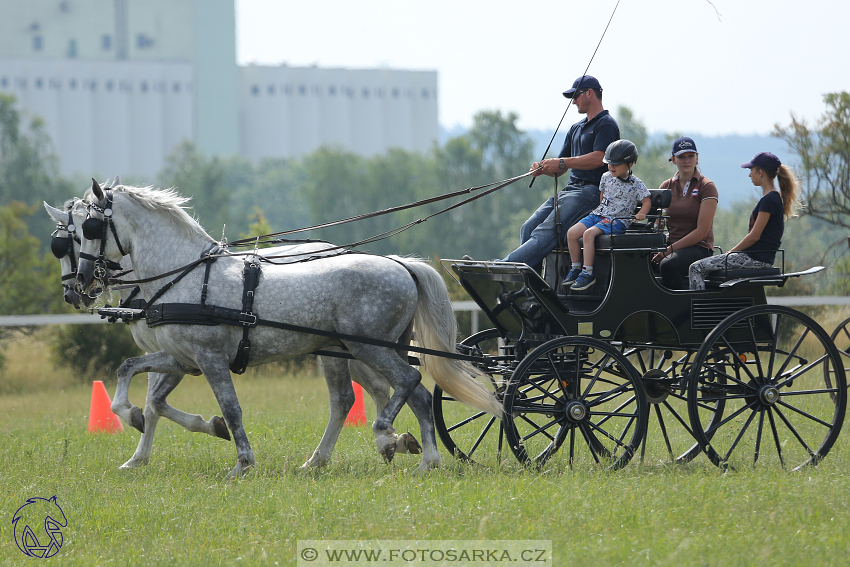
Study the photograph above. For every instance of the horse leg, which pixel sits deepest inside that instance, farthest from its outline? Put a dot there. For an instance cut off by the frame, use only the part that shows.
(215, 427)
(402, 377)
(341, 397)
(155, 362)
(216, 369)
(159, 387)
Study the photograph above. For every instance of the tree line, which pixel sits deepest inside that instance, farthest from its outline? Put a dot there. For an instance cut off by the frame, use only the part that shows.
(235, 197)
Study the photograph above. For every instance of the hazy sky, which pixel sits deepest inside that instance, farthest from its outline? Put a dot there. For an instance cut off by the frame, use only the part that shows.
(677, 64)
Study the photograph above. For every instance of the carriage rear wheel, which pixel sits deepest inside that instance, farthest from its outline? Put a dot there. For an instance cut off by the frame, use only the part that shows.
(841, 338)
(783, 385)
(469, 434)
(664, 376)
(578, 391)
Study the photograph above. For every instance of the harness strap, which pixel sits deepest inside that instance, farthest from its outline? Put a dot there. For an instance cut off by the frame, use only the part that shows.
(250, 278)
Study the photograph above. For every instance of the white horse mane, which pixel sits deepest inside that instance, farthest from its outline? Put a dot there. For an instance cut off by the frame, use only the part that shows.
(168, 201)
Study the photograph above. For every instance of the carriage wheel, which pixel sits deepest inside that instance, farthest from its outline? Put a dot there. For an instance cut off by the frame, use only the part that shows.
(578, 391)
(783, 385)
(463, 430)
(663, 374)
(841, 338)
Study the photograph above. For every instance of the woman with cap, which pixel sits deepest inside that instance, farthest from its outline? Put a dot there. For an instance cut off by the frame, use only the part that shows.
(767, 221)
(691, 215)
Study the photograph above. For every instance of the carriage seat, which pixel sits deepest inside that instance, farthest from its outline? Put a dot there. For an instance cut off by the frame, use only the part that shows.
(714, 279)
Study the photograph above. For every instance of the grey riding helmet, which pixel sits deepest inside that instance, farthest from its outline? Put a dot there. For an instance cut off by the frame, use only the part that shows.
(621, 151)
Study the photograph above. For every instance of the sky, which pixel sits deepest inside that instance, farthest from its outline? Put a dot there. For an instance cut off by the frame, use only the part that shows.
(692, 66)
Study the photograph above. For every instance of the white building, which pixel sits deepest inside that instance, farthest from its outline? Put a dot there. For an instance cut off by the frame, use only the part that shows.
(120, 83)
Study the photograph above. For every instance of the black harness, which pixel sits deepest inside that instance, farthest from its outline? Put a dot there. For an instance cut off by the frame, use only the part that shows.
(204, 314)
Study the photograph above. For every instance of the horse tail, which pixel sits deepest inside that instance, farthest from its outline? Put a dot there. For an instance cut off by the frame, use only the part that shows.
(435, 328)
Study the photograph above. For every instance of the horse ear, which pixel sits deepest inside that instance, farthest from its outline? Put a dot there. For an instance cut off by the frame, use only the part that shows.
(95, 187)
(55, 214)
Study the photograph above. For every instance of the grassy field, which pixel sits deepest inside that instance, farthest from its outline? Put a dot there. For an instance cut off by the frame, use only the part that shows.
(182, 510)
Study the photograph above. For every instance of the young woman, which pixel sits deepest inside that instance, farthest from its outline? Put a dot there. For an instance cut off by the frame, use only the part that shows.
(767, 221)
(691, 215)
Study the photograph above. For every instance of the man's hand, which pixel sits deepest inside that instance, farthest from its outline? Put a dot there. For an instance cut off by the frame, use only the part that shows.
(550, 167)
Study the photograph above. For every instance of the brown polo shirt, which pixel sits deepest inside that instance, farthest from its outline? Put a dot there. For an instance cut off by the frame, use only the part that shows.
(685, 204)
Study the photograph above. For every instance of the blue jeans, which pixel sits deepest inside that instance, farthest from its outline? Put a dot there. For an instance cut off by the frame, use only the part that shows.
(537, 236)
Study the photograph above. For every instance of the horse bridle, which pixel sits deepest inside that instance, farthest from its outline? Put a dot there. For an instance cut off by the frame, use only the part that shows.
(62, 246)
(98, 229)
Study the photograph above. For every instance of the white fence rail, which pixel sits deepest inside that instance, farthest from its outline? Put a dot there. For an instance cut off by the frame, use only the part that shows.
(86, 318)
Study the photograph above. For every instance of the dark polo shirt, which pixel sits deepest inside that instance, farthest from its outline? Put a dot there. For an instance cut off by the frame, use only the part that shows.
(587, 136)
(684, 206)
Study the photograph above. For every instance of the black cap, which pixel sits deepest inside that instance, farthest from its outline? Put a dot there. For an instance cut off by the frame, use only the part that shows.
(764, 160)
(583, 82)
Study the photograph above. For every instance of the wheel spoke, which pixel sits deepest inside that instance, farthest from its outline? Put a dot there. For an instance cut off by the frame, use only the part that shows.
(775, 437)
(587, 439)
(679, 418)
(731, 417)
(738, 361)
(804, 414)
(758, 436)
(539, 429)
(740, 435)
(794, 431)
(793, 351)
(756, 346)
(664, 431)
(803, 370)
(467, 421)
(481, 437)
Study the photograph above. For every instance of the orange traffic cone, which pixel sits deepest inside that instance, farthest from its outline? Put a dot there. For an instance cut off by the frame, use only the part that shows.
(357, 414)
(101, 417)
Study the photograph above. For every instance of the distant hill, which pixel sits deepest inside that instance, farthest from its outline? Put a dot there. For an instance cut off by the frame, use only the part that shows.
(720, 157)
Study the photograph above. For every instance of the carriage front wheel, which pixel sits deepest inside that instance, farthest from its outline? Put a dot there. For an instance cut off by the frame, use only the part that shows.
(579, 392)
(782, 381)
(470, 434)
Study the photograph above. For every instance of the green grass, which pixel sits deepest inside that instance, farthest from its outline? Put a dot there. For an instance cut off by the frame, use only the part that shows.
(182, 510)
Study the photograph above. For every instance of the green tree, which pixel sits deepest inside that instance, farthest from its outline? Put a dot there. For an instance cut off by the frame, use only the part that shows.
(653, 165)
(824, 153)
(29, 279)
(28, 166)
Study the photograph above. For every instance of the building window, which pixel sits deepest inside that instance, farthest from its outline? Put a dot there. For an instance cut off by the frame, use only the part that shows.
(39, 83)
(143, 41)
(395, 93)
(425, 93)
(270, 90)
(365, 93)
(332, 91)
(255, 90)
(72, 48)
(109, 86)
(302, 90)
(175, 87)
(37, 43)
(4, 82)
(144, 86)
(73, 84)
(287, 89)
(106, 42)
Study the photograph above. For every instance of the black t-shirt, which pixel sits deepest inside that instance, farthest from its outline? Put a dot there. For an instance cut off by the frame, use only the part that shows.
(586, 137)
(771, 237)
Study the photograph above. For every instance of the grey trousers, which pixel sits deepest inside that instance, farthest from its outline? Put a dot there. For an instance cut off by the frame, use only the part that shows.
(731, 260)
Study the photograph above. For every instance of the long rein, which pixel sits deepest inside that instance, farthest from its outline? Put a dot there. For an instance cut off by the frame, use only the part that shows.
(256, 241)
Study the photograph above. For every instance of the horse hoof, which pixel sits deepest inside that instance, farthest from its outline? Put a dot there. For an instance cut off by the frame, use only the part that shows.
(132, 464)
(137, 419)
(220, 428)
(409, 444)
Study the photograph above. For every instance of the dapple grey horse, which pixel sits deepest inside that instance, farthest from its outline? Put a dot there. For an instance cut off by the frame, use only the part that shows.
(161, 385)
(353, 295)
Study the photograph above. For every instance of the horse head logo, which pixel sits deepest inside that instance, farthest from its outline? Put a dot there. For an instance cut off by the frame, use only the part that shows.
(38, 526)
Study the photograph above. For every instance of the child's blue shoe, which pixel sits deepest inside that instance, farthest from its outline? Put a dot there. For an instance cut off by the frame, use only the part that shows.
(583, 281)
(571, 277)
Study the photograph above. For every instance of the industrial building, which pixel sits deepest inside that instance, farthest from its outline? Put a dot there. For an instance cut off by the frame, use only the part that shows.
(120, 83)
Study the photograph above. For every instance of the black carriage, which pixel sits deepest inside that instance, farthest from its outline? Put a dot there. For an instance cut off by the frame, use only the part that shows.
(630, 368)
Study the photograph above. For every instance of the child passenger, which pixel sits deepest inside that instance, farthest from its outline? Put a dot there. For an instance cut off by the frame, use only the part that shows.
(767, 221)
(619, 194)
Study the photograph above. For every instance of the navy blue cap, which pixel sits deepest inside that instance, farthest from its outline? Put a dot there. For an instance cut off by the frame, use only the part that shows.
(764, 160)
(583, 82)
(684, 145)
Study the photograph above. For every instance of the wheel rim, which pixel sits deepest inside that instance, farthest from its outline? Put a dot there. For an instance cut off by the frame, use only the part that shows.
(841, 339)
(576, 394)
(468, 434)
(783, 385)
